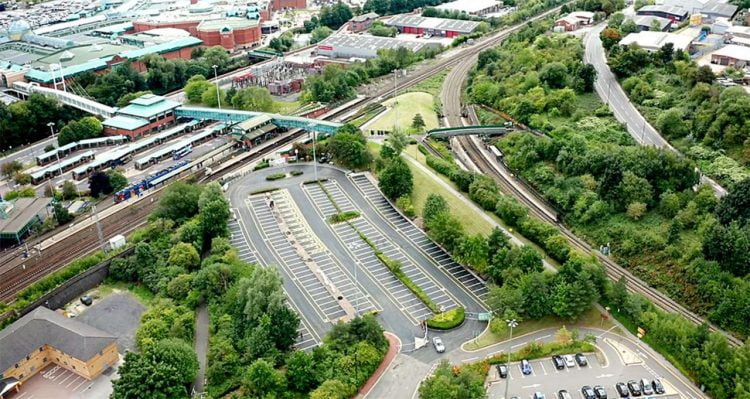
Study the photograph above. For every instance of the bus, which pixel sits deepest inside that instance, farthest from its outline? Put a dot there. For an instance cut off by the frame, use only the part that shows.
(182, 152)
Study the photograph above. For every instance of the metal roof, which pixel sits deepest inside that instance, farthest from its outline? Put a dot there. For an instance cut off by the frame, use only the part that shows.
(63, 164)
(253, 122)
(125, 122)
(674, 10)
(443, 24)
(163, 47)
(148, 106)
(24, 210)
(44, 327)
(734, 51)
(38, 75)
(720, 9)
(373, 43)
(469, 6)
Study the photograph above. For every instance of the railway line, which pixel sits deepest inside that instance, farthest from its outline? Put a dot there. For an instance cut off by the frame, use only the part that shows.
(538, 207)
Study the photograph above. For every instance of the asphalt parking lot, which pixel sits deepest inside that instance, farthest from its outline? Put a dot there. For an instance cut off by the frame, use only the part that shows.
(60, 383)
(118, 314)
(545, 378)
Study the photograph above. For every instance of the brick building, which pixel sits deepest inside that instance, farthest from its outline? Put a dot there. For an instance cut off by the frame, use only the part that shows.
(289, 4)
(230, 33)
(42, 337)
(143, 115)
(362, 22)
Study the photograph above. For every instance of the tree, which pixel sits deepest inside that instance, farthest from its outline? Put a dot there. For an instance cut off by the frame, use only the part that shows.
(396, 179)
(214, 213)
(378, 28)
(254, 98)
(301, 373)
(11, 168)
(418, 122)
(142, 378)
(320, 33)
(434, 205)
(633, 188)
(216, 55)
(554, 75)
(735, 206)
(117, 180)
(69, 190)
(335, 15)
(536, 295)
(261, 380)
(349, 150)
(179, 203)
(185, 256)
(449, 383)
(398, 141)
(610, 37)
(127, 98)
(587, 76)
(179, 355)
(85, 128)
(672, 123)
(62, 216)
(99, 184)
(332, 389)
(636, 210)
(210, 99)
(446, 230)
(628, 27)
(196, 86)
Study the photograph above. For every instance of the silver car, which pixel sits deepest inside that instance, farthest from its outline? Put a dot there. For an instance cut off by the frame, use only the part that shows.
(438, 344)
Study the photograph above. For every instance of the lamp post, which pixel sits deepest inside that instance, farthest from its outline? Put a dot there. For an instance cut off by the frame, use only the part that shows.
(216, 78)
(395, 93)
(512, 324)
(315, 160)
(57, 156)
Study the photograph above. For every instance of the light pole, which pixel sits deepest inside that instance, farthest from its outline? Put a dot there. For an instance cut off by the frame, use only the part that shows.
(57, 156)
(395, 93)
(512, 324)
(216, 78)
(315, 160)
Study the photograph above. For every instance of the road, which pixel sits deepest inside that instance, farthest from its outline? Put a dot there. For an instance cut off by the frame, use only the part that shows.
(612, 93)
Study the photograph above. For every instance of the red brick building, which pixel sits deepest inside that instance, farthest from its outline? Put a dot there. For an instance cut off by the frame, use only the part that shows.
(289, 4)
(230, 33)
(142, 116)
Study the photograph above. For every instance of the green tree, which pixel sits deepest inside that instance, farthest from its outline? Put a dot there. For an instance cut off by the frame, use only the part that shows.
(185, 256)
(332, 389)
(127, 98)
(335, 15)
(216, 55)
(69, 190)
(398, 141)
(99, 184)
(11, 168)
(672, 124)
(261, 380)
(254, 98)
(117, 180)
(210, 99)
(196, 86)
(735, 206)
(445, 383)
(554, 75)
(446, 230)
(179, 203)
(320, 33)
(301, 374)
(349, 150)
(179, 355)
(214, 213)
(85, 128)
(434, 205)
(140, 378)
(418, 122)
(396, 179)
(62, 216)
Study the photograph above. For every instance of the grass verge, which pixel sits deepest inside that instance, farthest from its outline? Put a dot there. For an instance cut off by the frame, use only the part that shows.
(447, 320)
(341, 217)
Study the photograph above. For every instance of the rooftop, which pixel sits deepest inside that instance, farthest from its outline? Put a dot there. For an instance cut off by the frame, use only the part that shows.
(148, 105)
(125, 122)
(373, 43)
(44, 327)
(647, 20)
(162, 48)
(365, 17)
(656, 40)
(418, 21)
(674, 10)
(469, 6)
(24, 210)
(720, 9)
(233, 23)
(734, 51)
(81, 54)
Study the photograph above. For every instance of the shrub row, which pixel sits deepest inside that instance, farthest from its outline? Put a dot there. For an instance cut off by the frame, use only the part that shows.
(276, 176)
(535, 350)
(447, 320)
(341, 217)
(262, 165)
(296, 173)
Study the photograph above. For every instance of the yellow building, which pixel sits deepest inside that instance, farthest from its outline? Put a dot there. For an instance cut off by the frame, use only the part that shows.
(42, 337)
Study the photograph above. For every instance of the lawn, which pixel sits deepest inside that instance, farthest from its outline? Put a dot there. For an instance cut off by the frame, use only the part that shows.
(286, 107)
(592, 318)
(432, 85)
(407, 106)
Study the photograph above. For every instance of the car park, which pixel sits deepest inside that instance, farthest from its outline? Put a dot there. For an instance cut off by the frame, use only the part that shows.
(563, 394)
(646, 387)
(557, 360)
(658, 387)
(600, 392)
(622, 389)
(438, 344)
(538, 395)
(569, 361)
(581, 359)
(525, 367)
(634, 388)
(502, 370)
(588, 392)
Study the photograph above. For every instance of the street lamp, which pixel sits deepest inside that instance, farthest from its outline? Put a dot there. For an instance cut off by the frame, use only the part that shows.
(512, 324)
(311, 128)
(395, 93)
(57, 156)
(216, 78)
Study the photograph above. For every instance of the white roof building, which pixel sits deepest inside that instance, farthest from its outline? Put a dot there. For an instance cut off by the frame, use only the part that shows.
(653, 41)
(732, 53)
(472, 7)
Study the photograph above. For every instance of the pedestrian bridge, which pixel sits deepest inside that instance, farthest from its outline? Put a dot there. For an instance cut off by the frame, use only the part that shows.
(231, 116)
(67, 98)
(487, 130)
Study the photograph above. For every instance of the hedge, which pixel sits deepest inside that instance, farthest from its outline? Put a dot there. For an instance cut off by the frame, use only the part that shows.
(262, 165)
(447, 320)
(265, 190)
(276, 176)
(296, 173)
(341, 217)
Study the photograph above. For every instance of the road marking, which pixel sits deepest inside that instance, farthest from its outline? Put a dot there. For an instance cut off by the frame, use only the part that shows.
(605, 376)
(517, 345)
(543, 369)
(543, 337)
(531, 386)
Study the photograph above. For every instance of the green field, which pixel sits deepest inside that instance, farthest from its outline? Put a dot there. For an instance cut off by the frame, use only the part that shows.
(286, 107)
(407, 105)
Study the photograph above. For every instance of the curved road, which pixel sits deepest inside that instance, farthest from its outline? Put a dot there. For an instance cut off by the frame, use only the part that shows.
(612, 93)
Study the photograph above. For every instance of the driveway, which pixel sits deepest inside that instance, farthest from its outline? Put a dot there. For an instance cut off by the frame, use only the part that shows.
(118, 314)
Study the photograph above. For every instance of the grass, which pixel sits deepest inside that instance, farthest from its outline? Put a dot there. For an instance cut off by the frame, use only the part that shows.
(591, 318)
(447, 320)
(143, 294)
(343, 217)
(587, 102)
(408, 105)
(287, 107)
(432, 85)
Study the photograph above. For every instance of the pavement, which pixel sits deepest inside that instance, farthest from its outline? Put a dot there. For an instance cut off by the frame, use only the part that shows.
(612, 93)
(201, 345)
(118, 314)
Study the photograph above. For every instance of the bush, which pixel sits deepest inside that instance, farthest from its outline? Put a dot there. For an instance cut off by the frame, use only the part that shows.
(447, 320)
(296, 173)
(262, 165)
(276, 176)
(404, 203)
(343, 217)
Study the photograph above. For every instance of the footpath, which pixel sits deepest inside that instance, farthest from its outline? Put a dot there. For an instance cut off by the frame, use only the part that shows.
(394, 345)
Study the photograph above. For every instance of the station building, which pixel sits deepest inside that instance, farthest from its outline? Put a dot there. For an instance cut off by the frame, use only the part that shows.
(143, 115)
(254, 130)
(18, 218)
(42, 337)
(443, 27)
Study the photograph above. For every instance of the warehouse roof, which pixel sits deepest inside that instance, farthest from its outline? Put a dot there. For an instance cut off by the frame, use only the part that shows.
(656, 40)
(148, 105)
(674, 10)
(125, 122)
(417, 21)
(163, 47)
(373, 43)
(24, 210)
(38, 75)
(720, 9)
(44, 327)
(647, 20)
(734, 51)
(469, 6)
(365, 17)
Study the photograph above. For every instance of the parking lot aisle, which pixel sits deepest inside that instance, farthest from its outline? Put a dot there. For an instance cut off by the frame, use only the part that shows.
(306, 337)
(358, 248)
(319, 253)
(472, 283)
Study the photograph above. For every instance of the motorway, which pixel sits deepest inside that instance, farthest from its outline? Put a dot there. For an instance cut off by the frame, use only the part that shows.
(611, 92)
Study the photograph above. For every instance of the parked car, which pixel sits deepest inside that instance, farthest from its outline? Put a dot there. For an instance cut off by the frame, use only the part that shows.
(646, 387)
(538, 395)
(557, 360)
(569, 361)
(634, 388)
(438, 344)
(502, 370)
(600, 392)
(87, 300)
(563, 394)
(582, 361)
(588, 392)
(622, 389)
(658, 387)
(525, 367)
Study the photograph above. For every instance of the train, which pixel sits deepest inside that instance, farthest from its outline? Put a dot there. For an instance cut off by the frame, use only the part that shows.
(147, 183)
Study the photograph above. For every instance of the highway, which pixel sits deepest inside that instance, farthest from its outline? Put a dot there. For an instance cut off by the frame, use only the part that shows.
(611, 92)
(451, 97)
